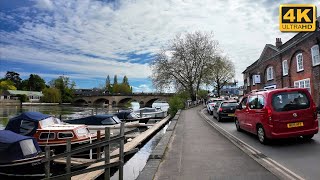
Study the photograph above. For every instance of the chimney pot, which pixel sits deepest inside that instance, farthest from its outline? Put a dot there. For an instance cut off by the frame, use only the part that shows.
(278, 42)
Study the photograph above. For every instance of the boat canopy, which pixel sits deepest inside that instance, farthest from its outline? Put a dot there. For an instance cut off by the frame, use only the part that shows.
(14, 146)
(26, 123)
(100, 119)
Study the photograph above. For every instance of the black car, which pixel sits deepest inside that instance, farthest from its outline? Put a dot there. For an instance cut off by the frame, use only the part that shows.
(225, 110)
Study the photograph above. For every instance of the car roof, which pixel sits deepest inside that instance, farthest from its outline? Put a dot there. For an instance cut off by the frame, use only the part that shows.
(272, 91)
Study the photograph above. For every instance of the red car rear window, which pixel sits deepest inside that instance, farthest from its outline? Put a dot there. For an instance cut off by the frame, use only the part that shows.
(287, 101)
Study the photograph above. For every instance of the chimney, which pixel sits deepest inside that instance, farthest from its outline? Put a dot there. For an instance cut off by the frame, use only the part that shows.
(278, 42)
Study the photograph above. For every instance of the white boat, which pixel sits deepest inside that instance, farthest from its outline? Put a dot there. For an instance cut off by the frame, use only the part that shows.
(151, 112)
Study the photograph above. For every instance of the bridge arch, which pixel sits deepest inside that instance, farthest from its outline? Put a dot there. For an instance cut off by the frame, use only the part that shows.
(101, 101)
(80, 102)
(124, 101)
(151, 101)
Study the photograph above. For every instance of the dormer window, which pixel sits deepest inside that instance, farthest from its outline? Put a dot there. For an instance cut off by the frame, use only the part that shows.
(299, 58)
(269, 73)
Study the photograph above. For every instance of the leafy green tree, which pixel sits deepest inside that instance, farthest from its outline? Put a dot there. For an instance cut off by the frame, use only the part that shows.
(23, 97)
(177, 102)
(36, 83)
(14, 77)
(7, 85)
(203, 94)
(65, 86)
(125, 81)
(51, 95)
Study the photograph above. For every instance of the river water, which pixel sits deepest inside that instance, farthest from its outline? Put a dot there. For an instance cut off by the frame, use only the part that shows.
(63, 111)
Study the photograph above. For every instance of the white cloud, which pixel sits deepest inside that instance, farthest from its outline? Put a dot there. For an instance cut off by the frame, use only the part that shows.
(142, 88)
(92, 38)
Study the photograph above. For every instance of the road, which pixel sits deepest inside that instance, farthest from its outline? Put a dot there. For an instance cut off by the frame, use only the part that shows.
(300, 156)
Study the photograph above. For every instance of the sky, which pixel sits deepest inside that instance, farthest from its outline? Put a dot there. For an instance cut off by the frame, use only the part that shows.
(87, 40)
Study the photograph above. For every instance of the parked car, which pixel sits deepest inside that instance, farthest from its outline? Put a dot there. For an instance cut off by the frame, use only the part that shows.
(211, 103)
(225, 110)
(278, 113)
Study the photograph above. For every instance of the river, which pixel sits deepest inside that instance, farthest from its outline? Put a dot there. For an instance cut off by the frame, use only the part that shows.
(64, 111)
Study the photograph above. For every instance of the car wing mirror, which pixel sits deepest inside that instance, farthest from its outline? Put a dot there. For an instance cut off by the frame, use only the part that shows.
(239, 106)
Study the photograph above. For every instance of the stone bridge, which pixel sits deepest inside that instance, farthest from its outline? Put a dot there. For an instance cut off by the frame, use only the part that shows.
(144, 99)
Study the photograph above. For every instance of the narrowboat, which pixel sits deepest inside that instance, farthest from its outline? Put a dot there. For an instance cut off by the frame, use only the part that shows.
(152, 112)
(20, 155)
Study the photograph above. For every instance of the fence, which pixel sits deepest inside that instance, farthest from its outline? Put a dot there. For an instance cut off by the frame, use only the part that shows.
(105, 143)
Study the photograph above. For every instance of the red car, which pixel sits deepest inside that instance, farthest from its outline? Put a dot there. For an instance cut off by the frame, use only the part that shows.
(278, 113)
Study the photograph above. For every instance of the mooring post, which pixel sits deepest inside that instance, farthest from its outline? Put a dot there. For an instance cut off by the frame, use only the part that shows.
(92, 112)
(121, 154)
(98, 149)
(107, 153)
(68, 158)
(47, 164)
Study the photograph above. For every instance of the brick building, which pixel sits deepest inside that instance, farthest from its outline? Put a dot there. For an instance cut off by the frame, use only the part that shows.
(295, 63)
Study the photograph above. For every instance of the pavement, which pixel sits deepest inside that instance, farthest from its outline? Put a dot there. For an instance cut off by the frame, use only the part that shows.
(198, 151)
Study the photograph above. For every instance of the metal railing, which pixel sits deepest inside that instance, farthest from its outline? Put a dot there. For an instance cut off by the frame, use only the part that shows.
(105, 143)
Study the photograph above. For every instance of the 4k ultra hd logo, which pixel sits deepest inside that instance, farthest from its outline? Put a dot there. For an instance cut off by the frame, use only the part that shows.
(297, 17)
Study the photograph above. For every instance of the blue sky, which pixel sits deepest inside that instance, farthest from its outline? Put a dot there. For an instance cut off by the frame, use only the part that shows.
(90, 39)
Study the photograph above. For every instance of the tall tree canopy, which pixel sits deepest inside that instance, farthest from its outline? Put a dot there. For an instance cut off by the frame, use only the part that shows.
(65, 86)
(14, 77)
(189, 64)
(34, 83)
(223, 71)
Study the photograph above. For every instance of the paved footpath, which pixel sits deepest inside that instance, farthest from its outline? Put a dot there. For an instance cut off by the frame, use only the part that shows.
(198, 152)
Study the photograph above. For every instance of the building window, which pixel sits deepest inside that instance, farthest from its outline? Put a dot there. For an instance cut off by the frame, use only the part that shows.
(285, 67)
(304, 83)
(269, 73)
(315, 55)
(299, 62)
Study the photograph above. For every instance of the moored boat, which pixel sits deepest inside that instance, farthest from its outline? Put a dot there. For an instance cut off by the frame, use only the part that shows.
(49, 131)
(152, 112)
(130, 116)
(20, 155)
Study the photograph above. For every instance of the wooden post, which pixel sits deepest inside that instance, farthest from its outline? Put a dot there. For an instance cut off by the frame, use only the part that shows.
(68, 157)
(92, 112)
(98, 149)
(47, 164)
(107, 154)
(121, 154)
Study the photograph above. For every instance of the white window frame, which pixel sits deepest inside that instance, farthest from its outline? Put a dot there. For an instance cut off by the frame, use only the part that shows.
(303, 83)
(253, 81)
(298, 67)
(270, 72)
(285, 69)
(315, 55)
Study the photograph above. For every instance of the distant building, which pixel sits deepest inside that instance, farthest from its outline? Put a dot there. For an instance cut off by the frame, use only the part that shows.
(296, 63)
(33, 96)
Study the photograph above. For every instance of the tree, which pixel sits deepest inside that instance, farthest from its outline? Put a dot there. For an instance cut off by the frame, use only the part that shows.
(125, 81)
(51, 95)
(7, 85)
(223, 71)
(203, 94)
(115, 80)
(108, 84)
(14, 77)
(65, 86)
(36, 83)
(192, 57)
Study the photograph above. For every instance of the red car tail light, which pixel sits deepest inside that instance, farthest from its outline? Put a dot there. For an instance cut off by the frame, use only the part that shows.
(268, 112)
(220, 109)
(315, 113)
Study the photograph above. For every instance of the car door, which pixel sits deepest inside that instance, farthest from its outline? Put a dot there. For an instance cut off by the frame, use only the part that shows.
(241, 113)
(252, 115)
